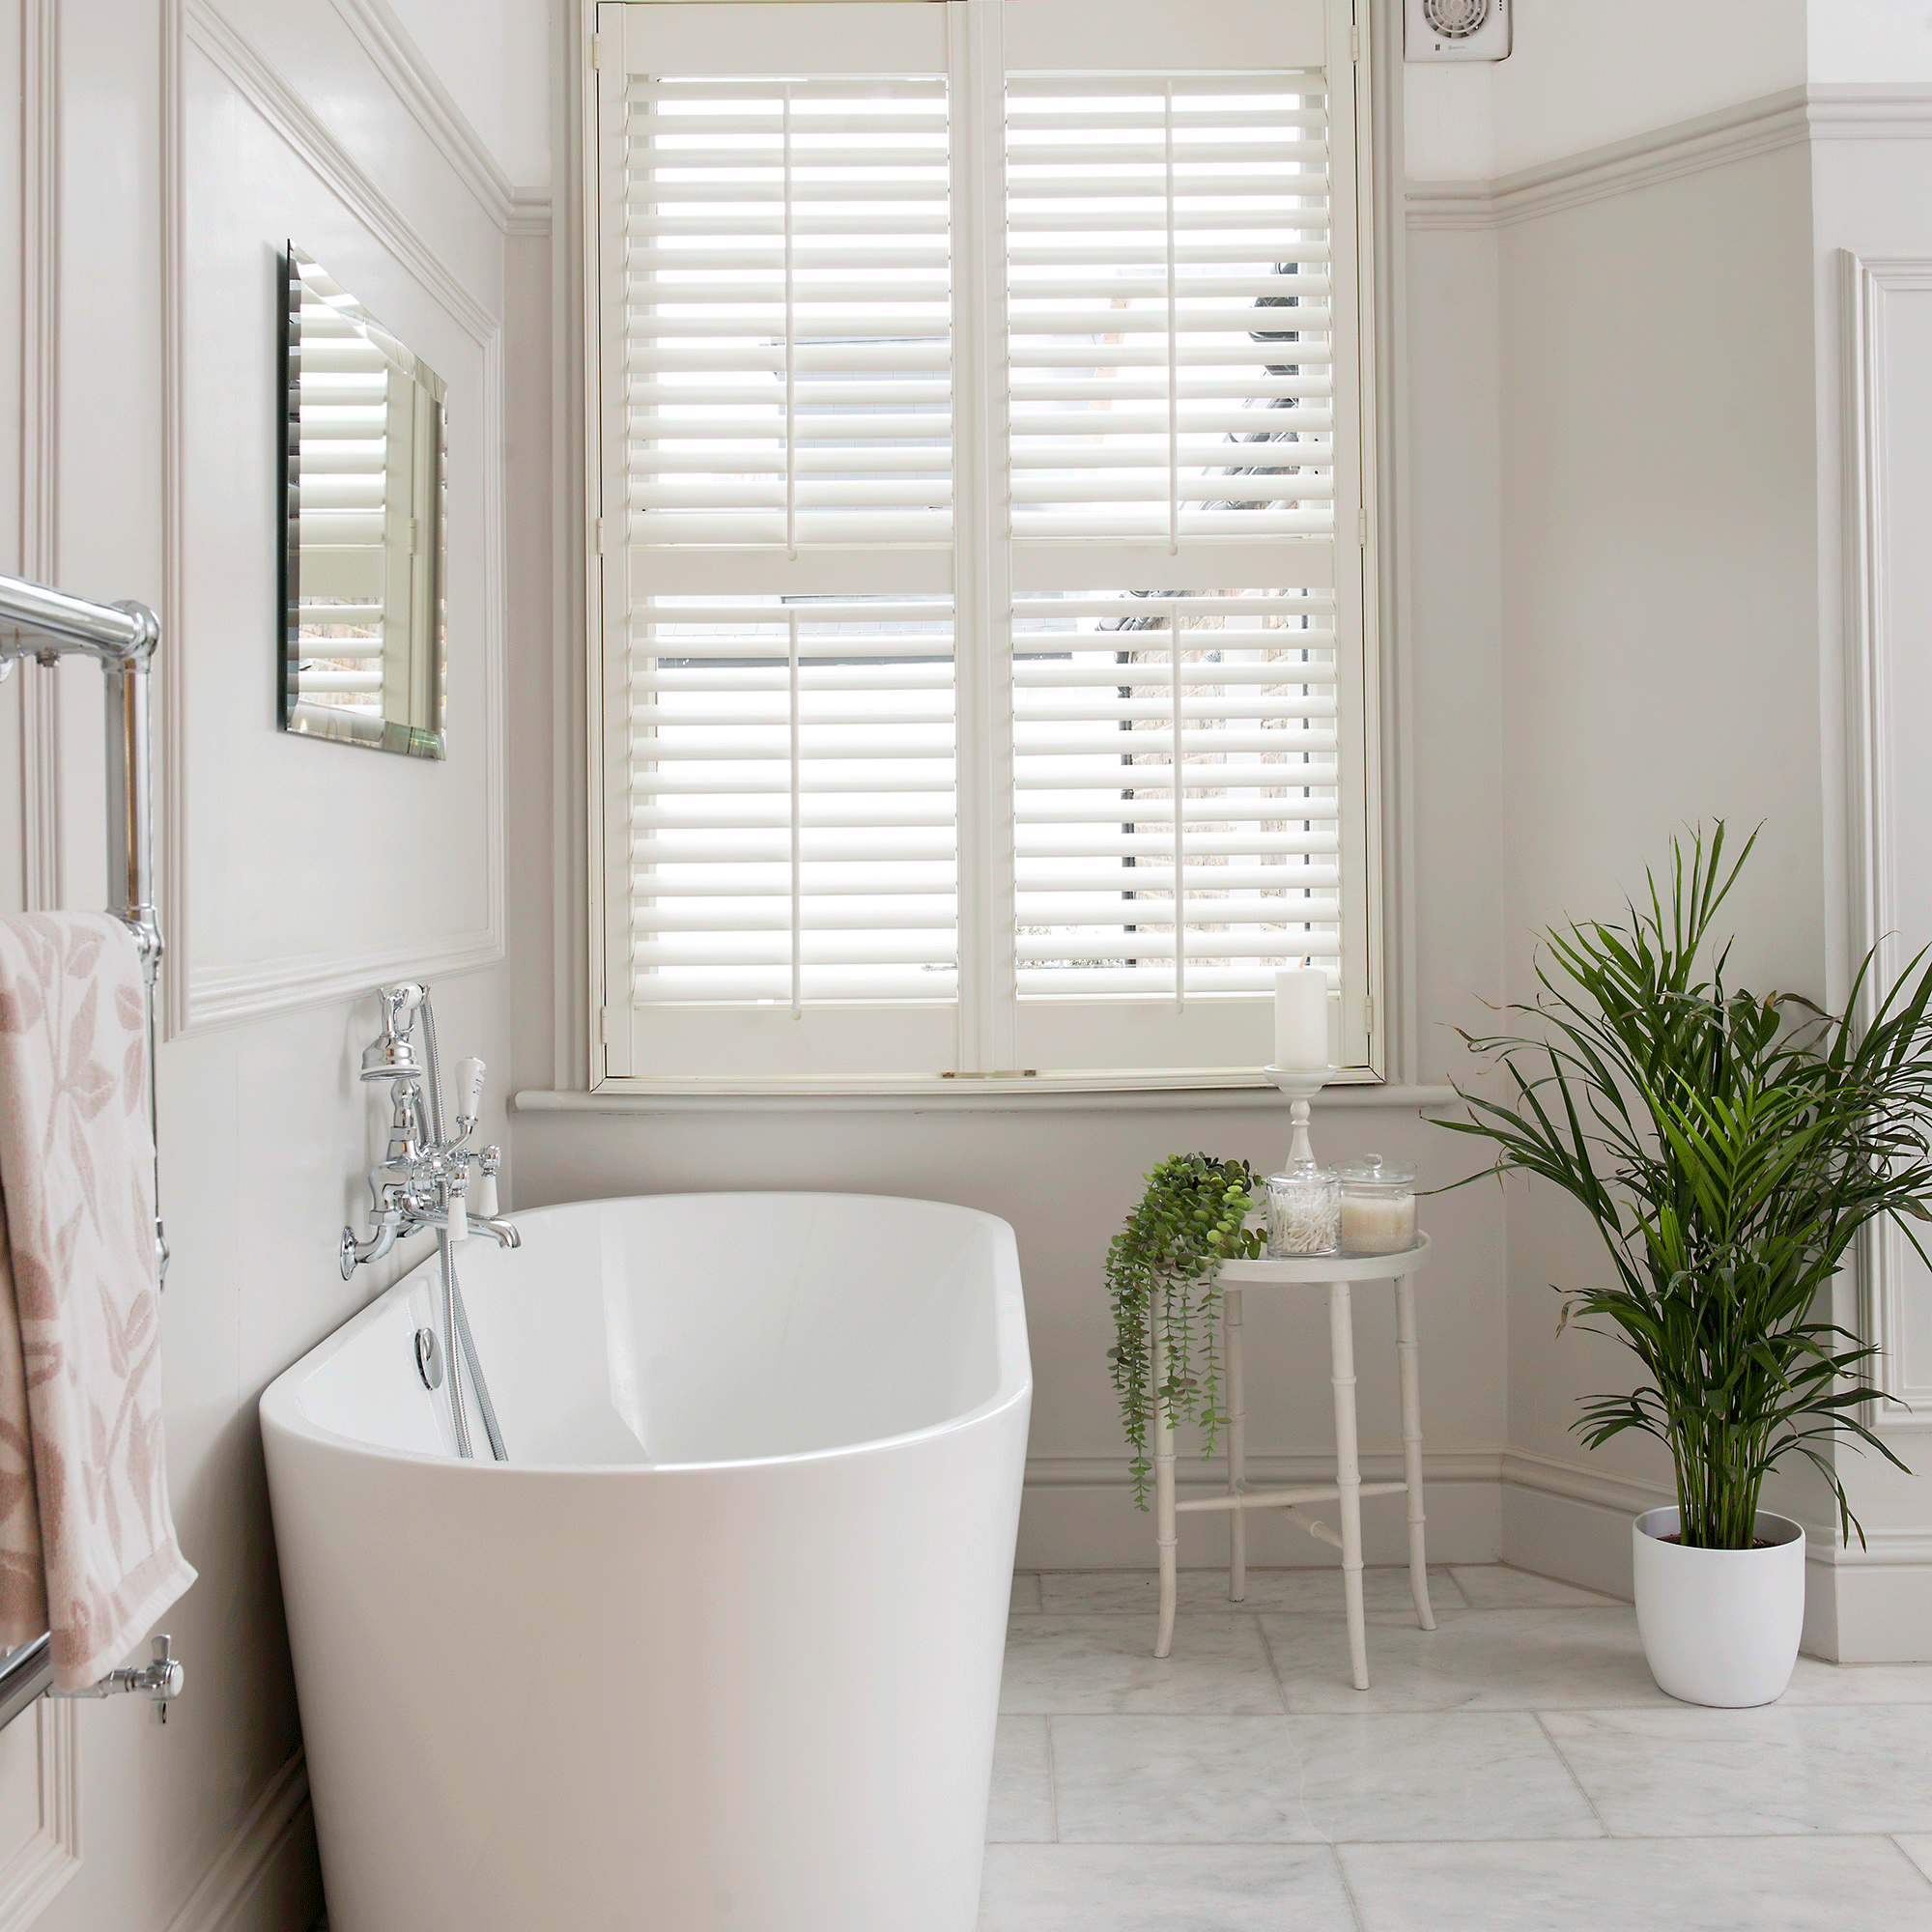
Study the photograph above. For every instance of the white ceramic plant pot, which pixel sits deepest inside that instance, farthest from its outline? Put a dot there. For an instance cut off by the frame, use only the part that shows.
(1720, 1625)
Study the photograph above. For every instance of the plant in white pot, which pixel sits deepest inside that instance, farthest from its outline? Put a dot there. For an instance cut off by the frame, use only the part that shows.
(1728, 1148)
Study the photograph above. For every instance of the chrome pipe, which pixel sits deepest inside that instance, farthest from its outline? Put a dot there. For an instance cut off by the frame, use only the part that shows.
(123, 638)
(113, 632)
(25, 1674)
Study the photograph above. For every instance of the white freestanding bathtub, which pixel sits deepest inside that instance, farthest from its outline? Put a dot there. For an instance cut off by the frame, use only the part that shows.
(718, 1647)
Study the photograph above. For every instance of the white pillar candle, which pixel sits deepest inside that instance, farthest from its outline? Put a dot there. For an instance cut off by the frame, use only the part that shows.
(1301, 1017)
(1377, 1224)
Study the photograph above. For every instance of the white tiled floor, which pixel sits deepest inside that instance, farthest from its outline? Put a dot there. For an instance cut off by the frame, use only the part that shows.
(1514, 1769)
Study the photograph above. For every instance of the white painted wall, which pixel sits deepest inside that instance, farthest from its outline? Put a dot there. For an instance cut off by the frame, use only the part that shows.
(1671, 600)
(1659, 650)
(1579, 77)
(493, 57)
(303, 861)
(1582, 76)
(1868, 40)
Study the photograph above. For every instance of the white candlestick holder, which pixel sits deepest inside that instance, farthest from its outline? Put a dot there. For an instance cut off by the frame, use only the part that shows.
(1300, 1084)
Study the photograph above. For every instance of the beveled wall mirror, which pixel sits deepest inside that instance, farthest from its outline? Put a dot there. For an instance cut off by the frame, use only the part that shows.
(364, 457)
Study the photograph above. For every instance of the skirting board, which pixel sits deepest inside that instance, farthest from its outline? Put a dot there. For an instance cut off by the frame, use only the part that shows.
(268, 1877)
(1571, 1520)
(1078, 1513)
(1871, 1606)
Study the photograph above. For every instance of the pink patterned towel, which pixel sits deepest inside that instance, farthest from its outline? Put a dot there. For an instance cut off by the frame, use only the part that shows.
(87, 1546)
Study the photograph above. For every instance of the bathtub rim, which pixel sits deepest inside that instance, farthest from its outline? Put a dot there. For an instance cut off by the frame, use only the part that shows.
(281, 1408)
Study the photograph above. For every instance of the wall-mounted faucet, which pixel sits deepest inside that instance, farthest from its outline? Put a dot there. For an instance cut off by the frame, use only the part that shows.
(423, 1180)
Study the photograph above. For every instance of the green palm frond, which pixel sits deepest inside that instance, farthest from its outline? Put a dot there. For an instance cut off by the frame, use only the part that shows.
(1728, 1148)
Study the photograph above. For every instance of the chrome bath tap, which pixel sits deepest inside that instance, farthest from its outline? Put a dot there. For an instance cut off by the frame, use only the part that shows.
(423, 1180)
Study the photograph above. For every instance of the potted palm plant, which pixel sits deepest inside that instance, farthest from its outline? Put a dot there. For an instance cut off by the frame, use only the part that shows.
(1728, 1148)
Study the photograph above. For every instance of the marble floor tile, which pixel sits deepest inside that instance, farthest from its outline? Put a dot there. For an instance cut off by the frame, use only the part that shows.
(1453, 1774)
(1816, 1682)
(1152, 1780)
(1918, 1847)
(1495, 1586)
(1163, 1889)
(1524, 1660)
(1021, 1807)
(1315, 1590)
(1180, 1780)
(1026, 1591)
(1088, 1664)
(1726, 1885)
(1686, 1771)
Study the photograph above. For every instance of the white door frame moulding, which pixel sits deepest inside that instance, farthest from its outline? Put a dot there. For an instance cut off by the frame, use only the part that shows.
(1885, 1256)
(44, 1864)
(40, 436)
(196, 999)
(265, 1835)
(1398, 1032)
(1791, 118)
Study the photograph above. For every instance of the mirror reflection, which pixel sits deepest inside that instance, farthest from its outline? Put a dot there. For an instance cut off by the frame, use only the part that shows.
(364, 461)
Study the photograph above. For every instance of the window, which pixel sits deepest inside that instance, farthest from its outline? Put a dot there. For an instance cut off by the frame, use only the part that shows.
(984, 663)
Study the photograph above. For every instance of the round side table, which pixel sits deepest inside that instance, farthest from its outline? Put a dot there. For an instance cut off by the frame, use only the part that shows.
(1338, 1273)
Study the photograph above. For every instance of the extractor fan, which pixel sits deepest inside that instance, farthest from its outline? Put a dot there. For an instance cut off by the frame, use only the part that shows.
(1469, 30)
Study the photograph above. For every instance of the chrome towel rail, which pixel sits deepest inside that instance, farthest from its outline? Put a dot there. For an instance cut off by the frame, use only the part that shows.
(46, 625)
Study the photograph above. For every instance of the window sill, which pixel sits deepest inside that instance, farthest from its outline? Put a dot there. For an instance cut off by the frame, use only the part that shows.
(975, 1096)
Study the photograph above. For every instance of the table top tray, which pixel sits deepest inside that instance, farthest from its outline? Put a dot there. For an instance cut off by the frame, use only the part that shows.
(1290, 1269)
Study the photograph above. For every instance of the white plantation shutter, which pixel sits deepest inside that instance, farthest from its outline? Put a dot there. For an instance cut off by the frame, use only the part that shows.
(345, 585)
(788, 344)
(1151, 226)
(984, 687)
(781, 833)
(792, 802)
(1182, 729)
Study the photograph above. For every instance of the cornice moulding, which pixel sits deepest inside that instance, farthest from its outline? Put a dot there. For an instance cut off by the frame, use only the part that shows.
(271, 96)
(416, 84)
(1792, 117)
(529, 212)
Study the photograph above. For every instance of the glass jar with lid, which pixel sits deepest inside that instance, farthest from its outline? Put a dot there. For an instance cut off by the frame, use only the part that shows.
(1378, 1206)
(1304, 1211)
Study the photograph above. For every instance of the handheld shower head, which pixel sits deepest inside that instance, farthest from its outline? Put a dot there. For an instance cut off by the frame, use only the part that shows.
(389, 1056)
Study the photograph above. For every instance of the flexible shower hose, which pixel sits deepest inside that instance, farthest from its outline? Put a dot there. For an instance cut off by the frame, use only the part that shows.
(455, 1317)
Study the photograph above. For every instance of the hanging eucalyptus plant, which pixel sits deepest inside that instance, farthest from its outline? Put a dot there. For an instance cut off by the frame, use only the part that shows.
(1172, 1246)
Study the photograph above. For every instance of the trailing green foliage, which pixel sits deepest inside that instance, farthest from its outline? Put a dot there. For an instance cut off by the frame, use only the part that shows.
(1729, 1148)
(1172, 1246)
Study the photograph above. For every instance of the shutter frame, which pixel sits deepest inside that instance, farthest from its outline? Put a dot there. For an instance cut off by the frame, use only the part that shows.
(1307, 557)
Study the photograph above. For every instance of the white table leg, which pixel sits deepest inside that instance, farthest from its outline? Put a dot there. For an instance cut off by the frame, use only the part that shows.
(1347, 1472)
(1411, 1447)
(1165, 1540)
(1238, 1444)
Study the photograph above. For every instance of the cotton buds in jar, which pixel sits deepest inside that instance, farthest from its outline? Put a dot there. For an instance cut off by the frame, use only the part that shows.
(1304, 1211)
(1377, 1207)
